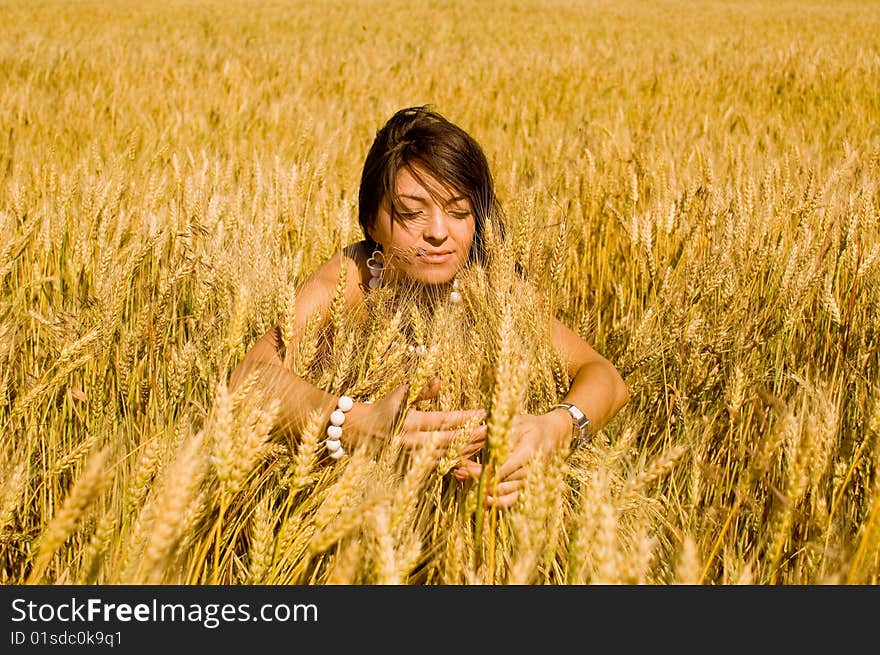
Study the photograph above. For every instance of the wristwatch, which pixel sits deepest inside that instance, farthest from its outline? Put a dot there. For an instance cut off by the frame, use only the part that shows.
(581, 424)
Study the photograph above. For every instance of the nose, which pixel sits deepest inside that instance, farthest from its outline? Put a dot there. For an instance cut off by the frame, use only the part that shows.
(436, 229)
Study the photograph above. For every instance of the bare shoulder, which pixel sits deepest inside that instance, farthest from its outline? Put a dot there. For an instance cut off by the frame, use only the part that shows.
(313, 299)
(317, 291)
(356, 256)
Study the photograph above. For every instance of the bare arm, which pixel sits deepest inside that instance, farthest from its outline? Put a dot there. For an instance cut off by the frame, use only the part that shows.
(597, 388)
(298, 398)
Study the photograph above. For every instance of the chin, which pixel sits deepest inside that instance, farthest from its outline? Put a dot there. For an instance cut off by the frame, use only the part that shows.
(433, 277)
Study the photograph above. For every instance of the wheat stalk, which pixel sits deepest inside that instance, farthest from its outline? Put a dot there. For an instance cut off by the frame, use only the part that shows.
(83, 492)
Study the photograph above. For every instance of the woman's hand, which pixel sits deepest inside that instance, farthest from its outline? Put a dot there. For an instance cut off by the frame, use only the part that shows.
(532, 436)
(417, 428)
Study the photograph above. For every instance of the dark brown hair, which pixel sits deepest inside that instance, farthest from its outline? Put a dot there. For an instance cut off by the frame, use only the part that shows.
(421, 136)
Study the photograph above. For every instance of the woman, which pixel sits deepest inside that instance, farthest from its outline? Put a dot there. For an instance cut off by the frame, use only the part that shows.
(426, 205)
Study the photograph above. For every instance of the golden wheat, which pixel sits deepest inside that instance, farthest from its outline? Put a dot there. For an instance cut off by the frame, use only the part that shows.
(694, 207)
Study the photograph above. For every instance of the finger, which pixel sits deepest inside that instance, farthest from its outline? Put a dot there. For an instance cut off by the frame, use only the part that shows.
(471, 449)
(477, 436)
(516, 461)
(437, 438)
(430, 390)
(463, 453)
(468, 469)
(480, 433)
(506, 488)
(470, 442)
(429, 420)
(501, 501)
(518, 474)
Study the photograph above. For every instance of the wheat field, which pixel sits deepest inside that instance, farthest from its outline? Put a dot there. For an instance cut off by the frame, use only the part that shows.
(691, 186)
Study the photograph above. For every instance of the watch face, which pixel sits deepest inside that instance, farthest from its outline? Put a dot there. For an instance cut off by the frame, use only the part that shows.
(581, 422)
(577, 415)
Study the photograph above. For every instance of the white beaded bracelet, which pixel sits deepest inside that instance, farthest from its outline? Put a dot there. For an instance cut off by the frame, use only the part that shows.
(334, 430)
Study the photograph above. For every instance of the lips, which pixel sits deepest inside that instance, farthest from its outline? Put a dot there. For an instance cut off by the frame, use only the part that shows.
(439, 257)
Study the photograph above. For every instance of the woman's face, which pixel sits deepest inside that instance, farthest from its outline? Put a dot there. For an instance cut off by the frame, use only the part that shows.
(430, 237)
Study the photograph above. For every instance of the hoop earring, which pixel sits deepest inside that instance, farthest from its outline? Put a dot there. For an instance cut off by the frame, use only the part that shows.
(376, 264)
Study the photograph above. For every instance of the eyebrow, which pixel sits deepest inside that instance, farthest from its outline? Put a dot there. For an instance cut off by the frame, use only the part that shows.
(424, 198)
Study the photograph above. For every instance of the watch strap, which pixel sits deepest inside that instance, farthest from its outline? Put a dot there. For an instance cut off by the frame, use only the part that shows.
(580, 424)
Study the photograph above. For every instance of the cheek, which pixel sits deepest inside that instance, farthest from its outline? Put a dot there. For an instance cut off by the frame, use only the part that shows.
(381, 232)
(403, 234)
(466, 233)
(391, 234)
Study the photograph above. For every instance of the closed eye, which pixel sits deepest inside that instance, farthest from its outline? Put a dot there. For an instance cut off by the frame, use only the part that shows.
(409, 215)
(458, 207)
